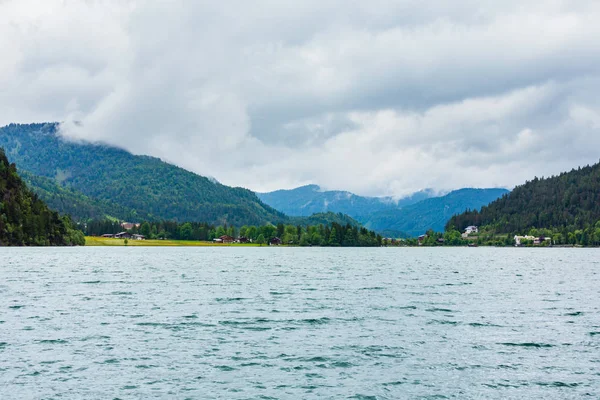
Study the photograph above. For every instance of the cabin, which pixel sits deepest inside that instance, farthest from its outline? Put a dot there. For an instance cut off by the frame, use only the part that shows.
(108, 235)
(275, 241)
(421, 239)
(471, 229)
(226, 239)
(138, 237)
(243, 239)
(123, 235)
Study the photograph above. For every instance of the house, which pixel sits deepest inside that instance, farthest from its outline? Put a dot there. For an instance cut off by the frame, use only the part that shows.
(441, 240)
(218, 240)
(243, 239)
(275, 241)
(138, 237)
(540, 240)
(471, 229)
(108, 235)
(123, 235)
(226, 239)
(519, 239)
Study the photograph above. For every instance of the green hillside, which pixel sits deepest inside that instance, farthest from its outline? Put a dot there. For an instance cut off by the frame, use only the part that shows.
(310, 199)
(74, 203)
(567, 202)
(99, 179)
(433, 213)
(24, 219)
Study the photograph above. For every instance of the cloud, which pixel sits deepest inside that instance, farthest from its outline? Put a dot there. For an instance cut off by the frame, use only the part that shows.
(381, 98)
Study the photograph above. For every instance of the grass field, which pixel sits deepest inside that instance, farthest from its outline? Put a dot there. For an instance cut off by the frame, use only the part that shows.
(100, 241)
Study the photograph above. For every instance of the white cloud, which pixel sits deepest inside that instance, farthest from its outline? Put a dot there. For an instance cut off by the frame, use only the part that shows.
(380, 98)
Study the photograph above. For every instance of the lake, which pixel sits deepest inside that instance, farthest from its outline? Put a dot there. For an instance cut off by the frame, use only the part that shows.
(299, 323)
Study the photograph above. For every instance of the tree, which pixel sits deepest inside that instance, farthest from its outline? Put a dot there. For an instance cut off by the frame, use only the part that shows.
(333, 240)
(186, 231)
(145, 229)
(261, 239)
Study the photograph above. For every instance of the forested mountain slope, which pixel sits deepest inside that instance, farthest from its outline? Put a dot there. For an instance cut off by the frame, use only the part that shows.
(24, 219)
(433, 213)
(107, 179)
(568, 201)
(310, 199)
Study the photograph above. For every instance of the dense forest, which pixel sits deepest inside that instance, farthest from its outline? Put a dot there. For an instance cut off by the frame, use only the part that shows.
(433, 213)
(25, 220)
(334, 234)
(564, 204)
(100, 177)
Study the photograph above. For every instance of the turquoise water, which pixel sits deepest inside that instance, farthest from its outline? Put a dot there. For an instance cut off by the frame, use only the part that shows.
(292, 323)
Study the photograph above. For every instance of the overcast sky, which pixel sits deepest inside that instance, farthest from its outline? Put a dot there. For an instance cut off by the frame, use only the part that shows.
(378, 97)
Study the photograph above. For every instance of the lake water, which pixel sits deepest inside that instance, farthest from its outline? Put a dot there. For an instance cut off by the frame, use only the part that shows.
(299, 323)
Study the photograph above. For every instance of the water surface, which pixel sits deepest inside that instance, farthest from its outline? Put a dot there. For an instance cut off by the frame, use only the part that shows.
(292, 323)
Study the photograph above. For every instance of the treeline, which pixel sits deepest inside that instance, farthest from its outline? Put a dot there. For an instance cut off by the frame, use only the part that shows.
(25, 220)
(589, 237)
(565, 204)
(333, 234)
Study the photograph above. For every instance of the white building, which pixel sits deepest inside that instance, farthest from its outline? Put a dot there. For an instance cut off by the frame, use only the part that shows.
(518, 239)
(469, 230)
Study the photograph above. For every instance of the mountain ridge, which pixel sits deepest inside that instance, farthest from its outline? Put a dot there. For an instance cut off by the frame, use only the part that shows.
(569, 201)
(409, 216)
(148, 185)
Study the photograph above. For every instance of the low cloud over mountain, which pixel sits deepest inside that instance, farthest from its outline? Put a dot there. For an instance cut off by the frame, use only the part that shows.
(380, 98)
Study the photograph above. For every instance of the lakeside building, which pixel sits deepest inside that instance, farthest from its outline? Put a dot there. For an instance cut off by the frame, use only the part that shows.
(469, 230)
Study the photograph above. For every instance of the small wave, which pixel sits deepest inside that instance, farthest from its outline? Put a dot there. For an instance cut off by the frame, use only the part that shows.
(527, 344)
(152, 324)
(121, 293)
(594, 333)
(17, 307)
(52, 341)
(481, 325)
(91, 282)
(230, 299)
(558, 384)
(439, 310)
(442, 322)
(225, 368)
(574, 314)
(395, 383)
(315, 321)
(342, 364)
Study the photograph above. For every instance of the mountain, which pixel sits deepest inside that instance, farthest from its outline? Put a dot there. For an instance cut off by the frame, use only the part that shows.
(24, 219)
(88, 179)
(410, 216)
(569, 202)
(74, 203)
(310, 199)
(432, 213)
